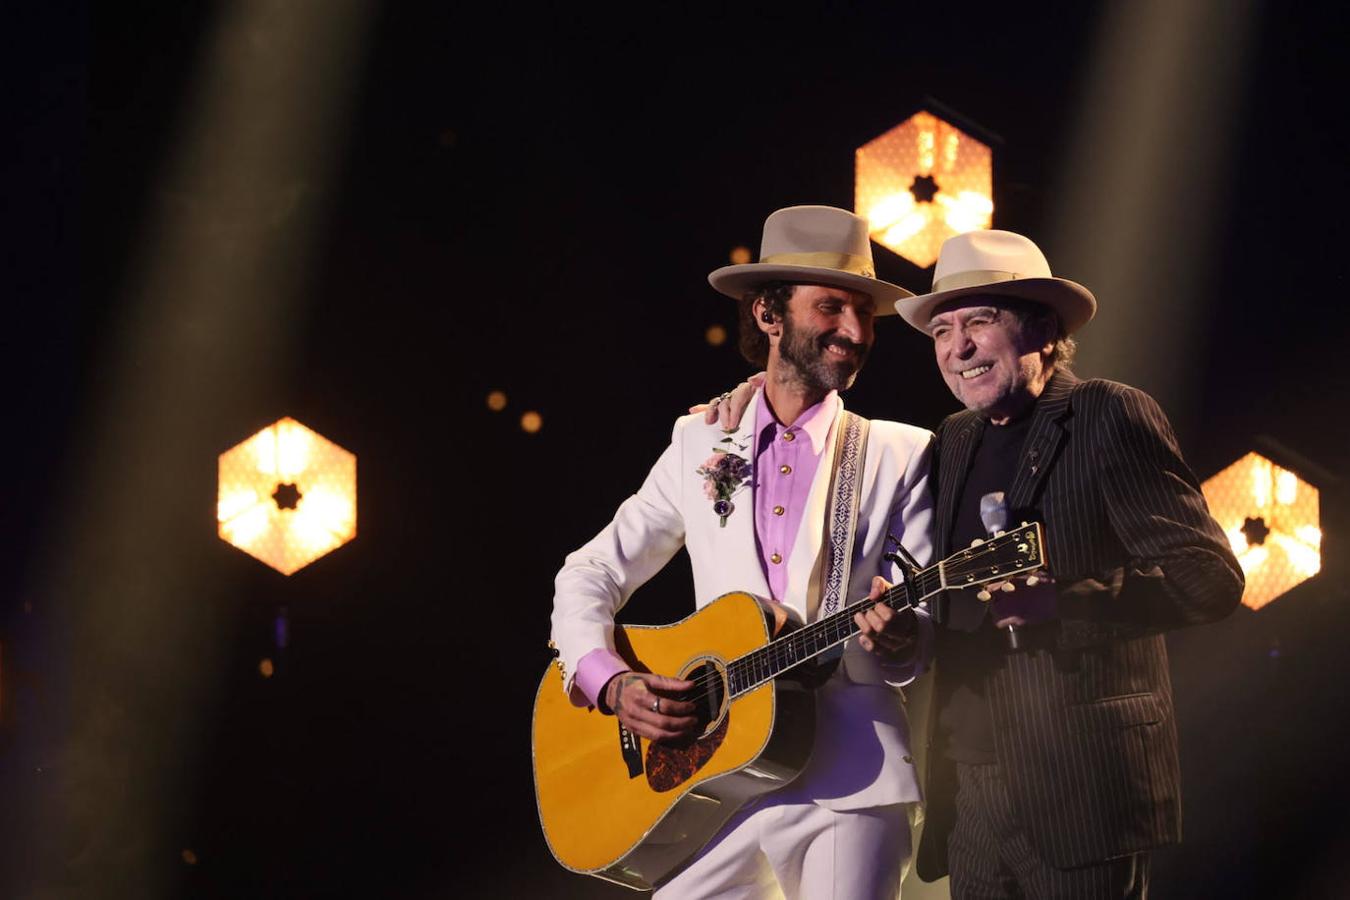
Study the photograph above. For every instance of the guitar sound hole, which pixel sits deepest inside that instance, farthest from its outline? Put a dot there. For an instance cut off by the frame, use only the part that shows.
(707, 694)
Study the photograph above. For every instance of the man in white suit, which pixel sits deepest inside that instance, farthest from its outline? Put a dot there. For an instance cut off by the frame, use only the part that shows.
(749, 505)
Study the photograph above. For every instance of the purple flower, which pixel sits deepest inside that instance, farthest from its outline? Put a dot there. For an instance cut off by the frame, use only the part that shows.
(724, 473)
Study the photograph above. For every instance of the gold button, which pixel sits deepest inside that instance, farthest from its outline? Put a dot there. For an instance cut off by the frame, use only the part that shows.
(786, 470)
(775, 559)
(789, 436)
(778, 510)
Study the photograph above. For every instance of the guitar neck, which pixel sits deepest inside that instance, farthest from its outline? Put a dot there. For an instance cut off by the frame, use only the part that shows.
(1002, 556)
(773, 659)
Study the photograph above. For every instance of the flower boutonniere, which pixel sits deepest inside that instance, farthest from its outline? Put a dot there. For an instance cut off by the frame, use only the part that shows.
(724, 473)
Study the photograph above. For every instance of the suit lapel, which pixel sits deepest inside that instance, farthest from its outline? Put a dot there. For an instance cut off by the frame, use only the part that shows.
(740, 530)
(1043, 441)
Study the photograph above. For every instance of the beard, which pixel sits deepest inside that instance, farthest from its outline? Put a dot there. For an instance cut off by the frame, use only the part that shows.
(804, 352)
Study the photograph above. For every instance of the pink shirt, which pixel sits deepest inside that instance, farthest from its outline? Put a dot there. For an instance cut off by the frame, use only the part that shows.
(785, 459)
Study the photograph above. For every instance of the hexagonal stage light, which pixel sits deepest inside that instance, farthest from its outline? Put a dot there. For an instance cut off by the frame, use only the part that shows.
(1271, 518)
(922, 182)
(287, 495)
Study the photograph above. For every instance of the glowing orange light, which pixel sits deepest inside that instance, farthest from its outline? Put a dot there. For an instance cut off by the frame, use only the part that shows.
(716, 335)
(496, 401)
(740, 255)
(1271, 518)
(922, 182)
(266, 669)
(287, 495)
(531, 422)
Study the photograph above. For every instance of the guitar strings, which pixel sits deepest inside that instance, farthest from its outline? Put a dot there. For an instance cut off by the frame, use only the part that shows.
(777, 655)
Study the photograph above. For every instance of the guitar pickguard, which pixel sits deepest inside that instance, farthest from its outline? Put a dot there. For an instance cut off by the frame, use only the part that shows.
(671, 765)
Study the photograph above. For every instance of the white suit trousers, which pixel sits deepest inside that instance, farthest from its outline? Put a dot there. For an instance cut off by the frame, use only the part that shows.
(793, 848)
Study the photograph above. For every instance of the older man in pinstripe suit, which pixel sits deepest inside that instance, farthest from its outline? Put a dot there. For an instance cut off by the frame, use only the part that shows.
(1054, 764)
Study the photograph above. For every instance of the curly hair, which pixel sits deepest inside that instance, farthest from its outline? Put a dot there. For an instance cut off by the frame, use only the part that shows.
(754, 344)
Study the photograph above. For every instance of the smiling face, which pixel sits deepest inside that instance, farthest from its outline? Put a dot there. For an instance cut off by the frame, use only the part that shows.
(826, 336)
(994, 362)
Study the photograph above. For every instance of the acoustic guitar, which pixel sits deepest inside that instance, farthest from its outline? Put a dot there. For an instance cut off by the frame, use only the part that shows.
(633, 811)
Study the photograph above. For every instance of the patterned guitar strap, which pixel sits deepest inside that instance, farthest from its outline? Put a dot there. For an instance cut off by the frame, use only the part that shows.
(841, 515)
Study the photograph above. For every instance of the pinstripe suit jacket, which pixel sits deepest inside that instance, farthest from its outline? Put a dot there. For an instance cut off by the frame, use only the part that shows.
(1085, 732)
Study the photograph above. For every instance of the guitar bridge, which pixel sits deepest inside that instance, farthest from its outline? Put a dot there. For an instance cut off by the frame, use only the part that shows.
(630, 750)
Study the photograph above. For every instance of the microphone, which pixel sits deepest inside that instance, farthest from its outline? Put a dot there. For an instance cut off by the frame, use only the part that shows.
(994, 518)
(994, 513)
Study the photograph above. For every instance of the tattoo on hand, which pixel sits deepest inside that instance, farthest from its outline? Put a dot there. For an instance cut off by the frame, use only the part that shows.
(622, 682)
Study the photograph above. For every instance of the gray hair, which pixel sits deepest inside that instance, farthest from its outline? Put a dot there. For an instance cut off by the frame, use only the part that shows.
(1038, 315)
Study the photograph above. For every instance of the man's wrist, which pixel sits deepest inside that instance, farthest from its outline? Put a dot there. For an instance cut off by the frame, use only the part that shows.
(594, 670)
(605, 702)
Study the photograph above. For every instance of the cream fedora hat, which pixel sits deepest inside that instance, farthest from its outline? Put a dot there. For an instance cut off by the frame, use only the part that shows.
(1002, 264)
(812, 245)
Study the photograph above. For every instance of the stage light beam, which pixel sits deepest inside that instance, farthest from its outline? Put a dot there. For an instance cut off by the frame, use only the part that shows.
(1136, 210)
(208, 324)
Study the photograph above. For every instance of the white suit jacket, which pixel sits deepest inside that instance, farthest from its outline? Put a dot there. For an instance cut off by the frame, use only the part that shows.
(861, 757)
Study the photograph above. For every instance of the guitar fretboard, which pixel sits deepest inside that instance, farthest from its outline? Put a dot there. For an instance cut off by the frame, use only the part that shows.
(776, 657)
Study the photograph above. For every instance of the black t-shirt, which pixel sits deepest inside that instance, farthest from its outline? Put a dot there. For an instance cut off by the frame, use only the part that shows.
(969, 647)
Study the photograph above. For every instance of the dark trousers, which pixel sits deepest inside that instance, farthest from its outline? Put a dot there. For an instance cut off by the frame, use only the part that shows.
(992, 858)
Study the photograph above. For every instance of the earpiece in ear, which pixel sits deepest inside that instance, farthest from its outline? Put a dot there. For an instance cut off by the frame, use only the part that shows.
(766, 317)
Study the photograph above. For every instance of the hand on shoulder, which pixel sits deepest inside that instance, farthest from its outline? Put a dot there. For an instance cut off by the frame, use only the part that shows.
(726, 409)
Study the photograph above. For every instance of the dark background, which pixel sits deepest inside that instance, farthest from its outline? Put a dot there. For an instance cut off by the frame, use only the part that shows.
(529, 200)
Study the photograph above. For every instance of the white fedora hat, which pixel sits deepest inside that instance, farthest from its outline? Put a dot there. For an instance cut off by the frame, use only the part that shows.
(1003, 264)
(812, 245)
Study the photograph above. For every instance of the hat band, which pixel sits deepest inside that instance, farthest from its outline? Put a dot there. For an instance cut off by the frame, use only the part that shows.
(842, 262)
(973, 278)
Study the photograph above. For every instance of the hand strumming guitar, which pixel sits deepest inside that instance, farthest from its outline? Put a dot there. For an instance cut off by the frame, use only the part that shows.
(646, 705)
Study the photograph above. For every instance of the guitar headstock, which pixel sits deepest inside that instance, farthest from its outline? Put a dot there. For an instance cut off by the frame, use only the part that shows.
(1010, 553)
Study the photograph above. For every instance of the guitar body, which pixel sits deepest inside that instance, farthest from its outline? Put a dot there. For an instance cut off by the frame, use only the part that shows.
(634, 812)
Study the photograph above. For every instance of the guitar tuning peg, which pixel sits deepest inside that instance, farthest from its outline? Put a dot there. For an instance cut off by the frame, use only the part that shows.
(984, 596)
(1032, 581)
(1008, 587)
(1025, 523)
(999, 533)
(977, 542)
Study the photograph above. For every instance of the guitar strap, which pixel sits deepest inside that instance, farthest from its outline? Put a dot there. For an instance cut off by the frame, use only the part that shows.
(841, 514)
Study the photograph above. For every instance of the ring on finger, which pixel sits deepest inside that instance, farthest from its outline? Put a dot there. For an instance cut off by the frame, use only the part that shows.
(656, 705)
